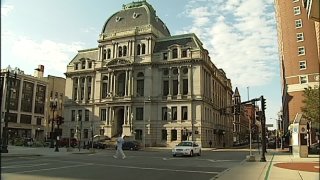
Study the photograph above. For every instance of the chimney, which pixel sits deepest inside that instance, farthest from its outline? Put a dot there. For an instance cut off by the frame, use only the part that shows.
(38, 72)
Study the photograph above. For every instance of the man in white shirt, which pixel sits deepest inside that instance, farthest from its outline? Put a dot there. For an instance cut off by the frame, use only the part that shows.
(120, 141)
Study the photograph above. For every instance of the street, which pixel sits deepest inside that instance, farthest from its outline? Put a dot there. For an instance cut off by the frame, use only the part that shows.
(138, 165)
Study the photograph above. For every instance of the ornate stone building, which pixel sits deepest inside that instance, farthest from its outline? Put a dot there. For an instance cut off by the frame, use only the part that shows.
(141, 81)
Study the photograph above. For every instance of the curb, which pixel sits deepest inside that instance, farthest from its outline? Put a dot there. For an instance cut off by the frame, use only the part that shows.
(19, 155)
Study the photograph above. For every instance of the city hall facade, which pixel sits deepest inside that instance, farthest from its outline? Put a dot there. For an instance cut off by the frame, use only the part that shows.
(146, 84)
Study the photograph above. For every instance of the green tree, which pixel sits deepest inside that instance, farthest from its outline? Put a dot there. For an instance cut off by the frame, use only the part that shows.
(311, 108)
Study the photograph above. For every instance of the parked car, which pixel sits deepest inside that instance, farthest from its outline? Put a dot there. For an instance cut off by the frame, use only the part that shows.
(131, 145)
(97, 144)
(28, 142)
(188, 148)
(64, 142)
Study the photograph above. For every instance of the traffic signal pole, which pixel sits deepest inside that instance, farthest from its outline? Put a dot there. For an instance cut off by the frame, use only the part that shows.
(263, 129)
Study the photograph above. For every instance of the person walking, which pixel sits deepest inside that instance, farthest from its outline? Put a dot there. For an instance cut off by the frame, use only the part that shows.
(119, 150)
(210, 143)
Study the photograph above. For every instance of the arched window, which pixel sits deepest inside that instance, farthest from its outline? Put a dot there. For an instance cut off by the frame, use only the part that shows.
(174, 53)
(108, 53)
(143, 49)
(104, 54)
(120, 51)
(124, 51)
(138, 49)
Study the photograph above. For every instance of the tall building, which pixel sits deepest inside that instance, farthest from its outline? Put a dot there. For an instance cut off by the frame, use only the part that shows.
(26, 97)
(29, 113)
(299, 55)
(146, 84)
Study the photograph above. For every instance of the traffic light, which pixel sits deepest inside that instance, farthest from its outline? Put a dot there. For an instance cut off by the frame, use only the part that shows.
(60, 120)
(263, 103)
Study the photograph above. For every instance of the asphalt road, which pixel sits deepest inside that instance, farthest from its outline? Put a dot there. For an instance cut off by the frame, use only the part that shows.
(138, 165)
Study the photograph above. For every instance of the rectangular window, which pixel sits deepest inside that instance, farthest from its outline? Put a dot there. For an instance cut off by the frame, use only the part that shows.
(300, 37)
(302, 65)
(174, 113)
(173, 135)
(76, 66)
(184, 113)
(138, 135)
(184, 53)
(164, 135)
(303, 79)
(164, 113)
(90, 65)
(175, 87)
(103, 114)
(301, 51)
(185, 86)
(85, 133)
(86, 115)
(73, 115)
(140, 87)
(165, 88)
(79, 115)
(139, 113)
(25, 119)
(298, 23)
(296, 10)
(39, 120)
(165, 56)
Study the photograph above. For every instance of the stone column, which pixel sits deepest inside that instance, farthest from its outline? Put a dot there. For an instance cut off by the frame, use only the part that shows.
(125, 115)
(85, 89)
(190, 81)
(129, 83)
(179, 83)
(114, 84)
(79, 90)
(170, 83)
(126, 83)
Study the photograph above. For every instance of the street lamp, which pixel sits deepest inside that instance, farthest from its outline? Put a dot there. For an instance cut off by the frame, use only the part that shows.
(9, 84)
(37, 133)
(224, 143)
(53, 107)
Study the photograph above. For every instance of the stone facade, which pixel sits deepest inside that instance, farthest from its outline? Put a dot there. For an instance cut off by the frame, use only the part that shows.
(146, 84)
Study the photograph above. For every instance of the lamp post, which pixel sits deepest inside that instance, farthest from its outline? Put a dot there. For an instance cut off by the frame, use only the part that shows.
(37, 133)
(224, 143)
(4, 148)
(53, 107)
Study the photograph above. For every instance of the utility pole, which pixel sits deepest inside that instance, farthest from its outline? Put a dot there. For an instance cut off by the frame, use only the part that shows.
(263, 129)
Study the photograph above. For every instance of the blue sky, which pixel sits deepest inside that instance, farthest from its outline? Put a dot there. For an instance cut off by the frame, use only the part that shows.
(240, 36)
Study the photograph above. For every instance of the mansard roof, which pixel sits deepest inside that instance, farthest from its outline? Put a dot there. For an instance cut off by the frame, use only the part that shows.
(185, 40)
(135, 14)
(91, 54)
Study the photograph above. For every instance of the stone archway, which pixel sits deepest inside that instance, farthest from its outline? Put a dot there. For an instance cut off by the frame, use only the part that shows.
(119, 121)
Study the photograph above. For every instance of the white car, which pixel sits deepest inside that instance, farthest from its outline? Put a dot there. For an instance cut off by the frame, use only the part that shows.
(188, 148)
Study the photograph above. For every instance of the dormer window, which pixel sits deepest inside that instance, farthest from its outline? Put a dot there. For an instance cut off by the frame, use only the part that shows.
(118, 19)
(174, 53)
(83, 64)
(76, 66)
(135, 15)
(184, 53)
(89, 65)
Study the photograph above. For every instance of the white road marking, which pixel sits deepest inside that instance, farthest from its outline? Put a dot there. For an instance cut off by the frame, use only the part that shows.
(49, 169)
(23, 165)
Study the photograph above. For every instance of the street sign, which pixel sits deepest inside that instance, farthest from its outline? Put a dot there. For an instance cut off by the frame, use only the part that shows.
(269, 125)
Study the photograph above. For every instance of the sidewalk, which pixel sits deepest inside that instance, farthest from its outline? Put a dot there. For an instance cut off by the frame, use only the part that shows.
(279, 165)
(19, 151)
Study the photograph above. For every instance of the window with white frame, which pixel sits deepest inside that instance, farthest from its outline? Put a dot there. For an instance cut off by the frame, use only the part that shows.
(302, 65)
(298, 23)
(296, 10)
(300, 37)
(303, 79)
(301, 51)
